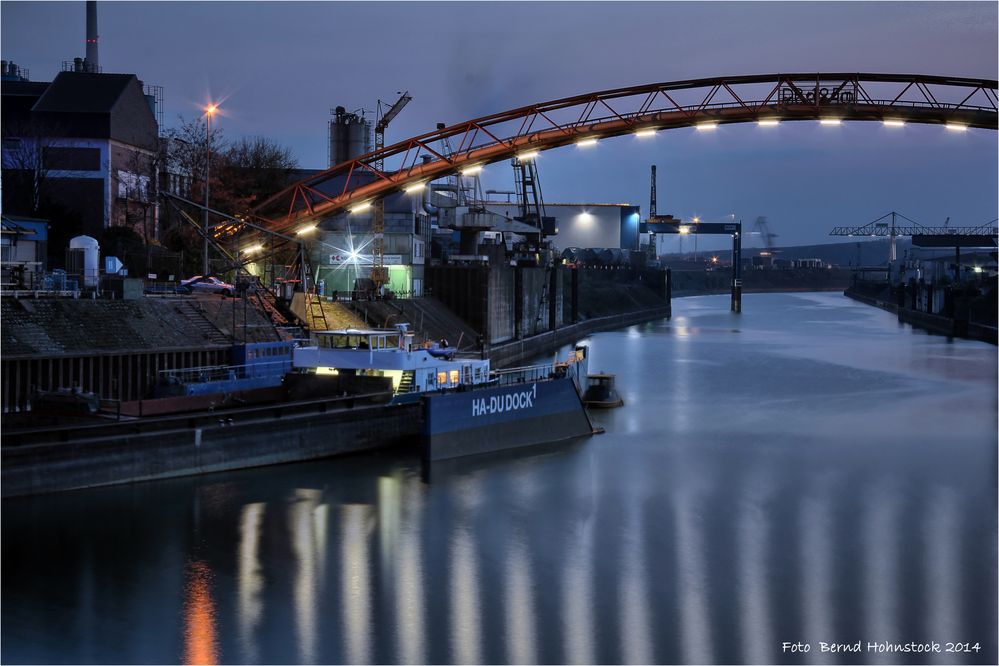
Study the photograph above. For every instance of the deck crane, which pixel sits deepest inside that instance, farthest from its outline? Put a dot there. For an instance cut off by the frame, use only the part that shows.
(379, 274)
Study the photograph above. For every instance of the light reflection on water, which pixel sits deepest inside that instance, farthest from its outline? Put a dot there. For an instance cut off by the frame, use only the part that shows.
(805, 471)
(200, 642)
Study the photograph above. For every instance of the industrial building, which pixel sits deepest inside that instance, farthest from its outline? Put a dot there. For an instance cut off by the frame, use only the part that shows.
(83, 149)
(605, 225)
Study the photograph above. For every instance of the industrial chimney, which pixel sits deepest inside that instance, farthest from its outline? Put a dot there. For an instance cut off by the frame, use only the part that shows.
(91, 64)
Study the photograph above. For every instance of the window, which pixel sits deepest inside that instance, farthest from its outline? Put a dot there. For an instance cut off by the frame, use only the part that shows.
(132, 186)
(454, 376)
(71, 159)
(442, 378)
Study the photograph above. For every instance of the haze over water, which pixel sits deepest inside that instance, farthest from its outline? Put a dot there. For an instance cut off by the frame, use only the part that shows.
(806, 471)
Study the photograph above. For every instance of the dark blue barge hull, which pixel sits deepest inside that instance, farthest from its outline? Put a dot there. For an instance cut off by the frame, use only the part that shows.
(491, 419)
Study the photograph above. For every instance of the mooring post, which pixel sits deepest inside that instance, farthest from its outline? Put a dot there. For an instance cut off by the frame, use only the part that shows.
(737, 268)
(669, 293)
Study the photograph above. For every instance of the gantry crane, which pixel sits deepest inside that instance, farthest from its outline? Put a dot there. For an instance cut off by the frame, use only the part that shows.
(760, 227)
(379, 274)
(655, 220)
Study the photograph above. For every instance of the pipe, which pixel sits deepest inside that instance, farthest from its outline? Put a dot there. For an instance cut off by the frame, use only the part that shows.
(427, 206)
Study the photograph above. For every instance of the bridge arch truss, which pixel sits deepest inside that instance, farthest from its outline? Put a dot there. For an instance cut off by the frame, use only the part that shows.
(464, 146)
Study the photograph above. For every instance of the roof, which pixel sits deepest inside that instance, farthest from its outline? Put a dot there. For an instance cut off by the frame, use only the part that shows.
(24, 88)
(29, 226)
(84, 92)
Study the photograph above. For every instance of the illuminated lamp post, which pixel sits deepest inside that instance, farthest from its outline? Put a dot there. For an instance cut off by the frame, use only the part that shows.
(209, 112)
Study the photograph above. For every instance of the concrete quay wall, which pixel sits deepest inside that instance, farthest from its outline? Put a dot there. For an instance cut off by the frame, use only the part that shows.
(517, 351)
(124, 452)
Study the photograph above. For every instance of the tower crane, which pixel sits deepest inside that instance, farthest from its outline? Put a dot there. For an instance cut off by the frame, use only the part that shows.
(379, 274)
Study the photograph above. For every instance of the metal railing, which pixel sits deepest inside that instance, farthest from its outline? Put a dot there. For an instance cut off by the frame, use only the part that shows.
(217, 373)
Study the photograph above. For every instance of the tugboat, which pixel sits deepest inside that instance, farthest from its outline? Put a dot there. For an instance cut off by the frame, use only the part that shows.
(600, 392)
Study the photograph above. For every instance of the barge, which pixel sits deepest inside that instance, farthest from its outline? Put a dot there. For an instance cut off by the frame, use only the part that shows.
(468, 409)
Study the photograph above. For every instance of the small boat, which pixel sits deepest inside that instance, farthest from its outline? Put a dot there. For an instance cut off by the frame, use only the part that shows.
(600, 392)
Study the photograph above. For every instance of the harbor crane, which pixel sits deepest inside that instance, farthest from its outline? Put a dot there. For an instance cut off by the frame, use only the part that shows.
(379, 274)
(761, 228)
(655, 218)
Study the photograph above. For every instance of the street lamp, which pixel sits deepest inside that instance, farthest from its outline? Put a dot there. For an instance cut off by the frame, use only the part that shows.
(209, 112)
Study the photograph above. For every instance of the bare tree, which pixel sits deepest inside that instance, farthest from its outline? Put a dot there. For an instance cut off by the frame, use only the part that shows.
(27, 175)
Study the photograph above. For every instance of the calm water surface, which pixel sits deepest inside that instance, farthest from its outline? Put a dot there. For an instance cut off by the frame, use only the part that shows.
(808, 471)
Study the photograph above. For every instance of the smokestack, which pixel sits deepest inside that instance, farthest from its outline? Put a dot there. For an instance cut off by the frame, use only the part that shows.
(92, 64)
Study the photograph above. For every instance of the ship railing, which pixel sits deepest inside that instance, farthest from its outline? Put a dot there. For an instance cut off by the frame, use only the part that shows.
(531, 373)
(217, 373)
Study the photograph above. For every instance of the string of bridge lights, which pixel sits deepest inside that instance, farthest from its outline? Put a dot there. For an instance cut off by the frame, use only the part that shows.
(644, 133)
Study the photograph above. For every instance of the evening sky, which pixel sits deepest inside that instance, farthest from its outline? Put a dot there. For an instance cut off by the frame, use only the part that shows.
(280, 67)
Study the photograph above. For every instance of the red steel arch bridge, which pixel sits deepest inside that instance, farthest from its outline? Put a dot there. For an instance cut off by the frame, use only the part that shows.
(958, 103)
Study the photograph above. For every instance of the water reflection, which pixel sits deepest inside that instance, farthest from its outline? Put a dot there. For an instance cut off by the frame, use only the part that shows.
(357, 523)
(200, 640)
(466, 638)
(756, 488)
(408, 576)
(250, 580)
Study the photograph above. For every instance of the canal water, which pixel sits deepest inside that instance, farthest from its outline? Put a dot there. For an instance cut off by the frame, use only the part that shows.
(806, 472)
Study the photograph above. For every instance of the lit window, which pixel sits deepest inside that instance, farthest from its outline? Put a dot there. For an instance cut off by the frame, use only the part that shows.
(454, 376)
(442, 377)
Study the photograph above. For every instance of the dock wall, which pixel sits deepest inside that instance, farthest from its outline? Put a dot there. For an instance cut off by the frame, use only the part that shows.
(517, 351)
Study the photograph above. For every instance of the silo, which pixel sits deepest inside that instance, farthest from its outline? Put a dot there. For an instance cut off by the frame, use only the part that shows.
(91, 258)
(349, 136)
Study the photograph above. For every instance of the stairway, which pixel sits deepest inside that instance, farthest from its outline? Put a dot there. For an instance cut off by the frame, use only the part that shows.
(408, 382)
(194, 313)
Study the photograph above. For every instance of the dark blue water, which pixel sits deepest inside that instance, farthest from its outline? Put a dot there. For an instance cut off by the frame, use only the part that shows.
(806, 472)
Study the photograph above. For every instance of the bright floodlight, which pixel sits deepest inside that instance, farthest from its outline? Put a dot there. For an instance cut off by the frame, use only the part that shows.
(957, 127)
(684, 230)
(211, 108)
(414, 188)
(362, 206)
(582, 143)
(830, 121)
(893, 123)
(696, 219)
(706, 127)
(768, 122)
(308, 229)
(529, 155)
(468, 171)
(645, 133)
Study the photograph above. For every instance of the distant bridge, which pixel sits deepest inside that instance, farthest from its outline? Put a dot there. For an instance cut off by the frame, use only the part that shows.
(959, 103)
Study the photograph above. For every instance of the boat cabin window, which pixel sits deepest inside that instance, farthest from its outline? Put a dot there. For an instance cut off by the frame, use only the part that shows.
(442, 377)
(454, 376)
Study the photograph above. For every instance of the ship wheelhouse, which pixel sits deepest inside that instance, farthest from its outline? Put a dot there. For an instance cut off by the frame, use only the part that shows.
(413, 368)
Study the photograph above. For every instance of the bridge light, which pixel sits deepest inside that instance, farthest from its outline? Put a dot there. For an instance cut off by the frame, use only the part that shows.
(830, 121)
(645, 133)
(768, 122)
(529, 155)
(360, 207)
(583, 143)
(414, 188)
(893, 123)
(308, 229)
(468, 171)
(706, 127)
(957, 127)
